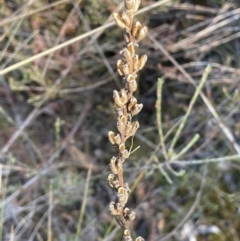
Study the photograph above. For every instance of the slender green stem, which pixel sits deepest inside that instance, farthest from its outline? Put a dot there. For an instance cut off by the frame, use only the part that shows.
(82, 211)
(190, 107)
(159, 117)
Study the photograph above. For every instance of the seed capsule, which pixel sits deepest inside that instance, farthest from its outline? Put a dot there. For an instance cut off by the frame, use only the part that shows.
(117, 99)
(126, 69)
(121, 124)
(122, 196)
(136, 109)
(135, 63)
(132, 103)
(131, 83)
(120, 67)
(131, 48)
(136, 6)
(117, 139)
(123, 94)
(119, 21)
(127, 55)
(113, 165)
(126, 18)
(129, 4)
(136, 29)
(111, 137)
(142, 33)
(142, 61)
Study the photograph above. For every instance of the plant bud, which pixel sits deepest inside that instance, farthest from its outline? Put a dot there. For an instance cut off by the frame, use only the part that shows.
(120, 67)
(124, 97)
(122, 196)
(119, 21)
(142, 33)
(136, 109)
(111, 137)
(142, 61)
(117, 99)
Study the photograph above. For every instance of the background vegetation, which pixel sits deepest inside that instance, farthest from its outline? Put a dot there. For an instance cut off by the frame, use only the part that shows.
(56, 111)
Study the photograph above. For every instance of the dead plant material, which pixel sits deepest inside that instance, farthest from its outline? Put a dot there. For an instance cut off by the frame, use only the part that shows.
(126, 107)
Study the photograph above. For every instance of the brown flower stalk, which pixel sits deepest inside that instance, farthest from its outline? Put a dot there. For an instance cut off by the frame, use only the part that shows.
(126, 107)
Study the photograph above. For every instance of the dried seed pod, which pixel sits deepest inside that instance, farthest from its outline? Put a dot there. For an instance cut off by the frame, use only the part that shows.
(126, 18)
(131, 48)
(126, 36)
(135, 63)
(124, 154)
(113, 181)
(119, 111)
(126, 212)
(122, 196)
(114, 209)
(135, 126)
(119, 21)
(127, 235)
(132, 216)
(136, 109)
(131, 83)
(113, 165)
(142, 33)
(111, 137)
(136, 29)
(121, 124)
(117, 99)
(121, 147)
(120, 67)
(117, 139)
(124, 97)
(139, 239)
(126, 69)
(142, 61)
(136, 6)
(128, 128)
(132, 103)
(129, 4)
(127, 55)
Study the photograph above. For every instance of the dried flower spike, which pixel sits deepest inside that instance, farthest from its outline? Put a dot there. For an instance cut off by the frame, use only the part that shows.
(126, 107)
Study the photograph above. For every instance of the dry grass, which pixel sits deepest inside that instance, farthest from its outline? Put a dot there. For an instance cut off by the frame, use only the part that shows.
(58, 70)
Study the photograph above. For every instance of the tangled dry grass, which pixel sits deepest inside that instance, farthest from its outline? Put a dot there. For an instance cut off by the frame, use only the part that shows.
(58, 70)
